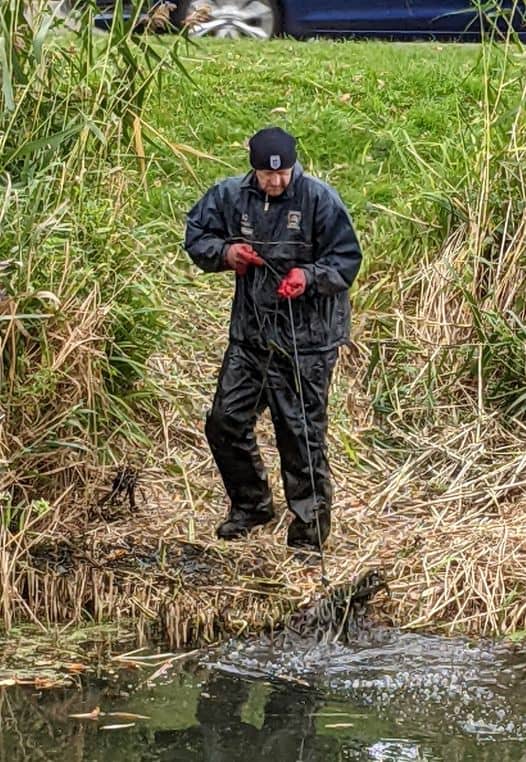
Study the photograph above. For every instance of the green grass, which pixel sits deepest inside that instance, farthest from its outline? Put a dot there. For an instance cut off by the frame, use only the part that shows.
(395, 128)
(416, 138)
(359, 110)
(107, 144)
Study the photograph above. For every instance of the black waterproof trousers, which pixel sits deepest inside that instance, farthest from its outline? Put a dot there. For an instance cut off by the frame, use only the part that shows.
(249, 381)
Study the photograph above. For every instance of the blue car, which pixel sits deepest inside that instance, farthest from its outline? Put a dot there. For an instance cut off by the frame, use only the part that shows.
(261, 19)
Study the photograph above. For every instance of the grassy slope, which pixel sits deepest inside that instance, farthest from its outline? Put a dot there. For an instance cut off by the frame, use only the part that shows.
(356, 108)
(362, 113)
(400, 131)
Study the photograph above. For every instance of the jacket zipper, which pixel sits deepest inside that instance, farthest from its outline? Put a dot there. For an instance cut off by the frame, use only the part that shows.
(265, 208)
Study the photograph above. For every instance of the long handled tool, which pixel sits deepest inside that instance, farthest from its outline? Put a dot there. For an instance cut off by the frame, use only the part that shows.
(299, 383)
(324, 577)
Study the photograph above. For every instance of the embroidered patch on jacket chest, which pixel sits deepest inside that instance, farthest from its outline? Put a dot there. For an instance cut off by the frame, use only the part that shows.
(246, 226)
(294, 221)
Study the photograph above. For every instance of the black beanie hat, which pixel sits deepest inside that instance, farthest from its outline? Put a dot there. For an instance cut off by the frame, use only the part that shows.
(272, 148)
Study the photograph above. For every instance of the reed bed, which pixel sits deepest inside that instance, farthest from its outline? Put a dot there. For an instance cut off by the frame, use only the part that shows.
(446, 522)
(110, 341)
(452, 570)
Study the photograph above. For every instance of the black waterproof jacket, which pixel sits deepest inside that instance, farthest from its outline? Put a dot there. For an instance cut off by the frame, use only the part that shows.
(307, 226)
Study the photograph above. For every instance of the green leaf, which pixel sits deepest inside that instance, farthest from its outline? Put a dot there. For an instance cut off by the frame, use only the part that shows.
(7, 84)
(40, 36)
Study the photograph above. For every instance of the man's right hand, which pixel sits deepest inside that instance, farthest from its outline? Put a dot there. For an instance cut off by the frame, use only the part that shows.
(240, 256)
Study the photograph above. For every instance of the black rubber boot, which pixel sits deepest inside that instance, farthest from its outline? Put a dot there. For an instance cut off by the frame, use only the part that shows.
(240, 524)
(303, 534)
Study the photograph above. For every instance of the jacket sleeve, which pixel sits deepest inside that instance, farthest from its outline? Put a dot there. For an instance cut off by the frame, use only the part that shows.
(206, 232)
(338, 253)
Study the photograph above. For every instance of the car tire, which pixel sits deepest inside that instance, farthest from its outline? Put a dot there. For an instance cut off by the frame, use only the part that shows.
(265, 23)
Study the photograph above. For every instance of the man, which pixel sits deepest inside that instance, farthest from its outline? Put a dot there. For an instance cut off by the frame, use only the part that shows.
(291, 243)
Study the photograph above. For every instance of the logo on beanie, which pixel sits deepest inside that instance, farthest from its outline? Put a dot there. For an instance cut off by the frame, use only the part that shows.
(275, 161)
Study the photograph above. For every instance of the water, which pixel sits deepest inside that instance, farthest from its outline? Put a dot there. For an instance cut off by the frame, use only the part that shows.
(397, 697)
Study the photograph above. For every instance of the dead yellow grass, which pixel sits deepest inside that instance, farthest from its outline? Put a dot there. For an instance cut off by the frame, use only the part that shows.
(433, 492)
(454, 564)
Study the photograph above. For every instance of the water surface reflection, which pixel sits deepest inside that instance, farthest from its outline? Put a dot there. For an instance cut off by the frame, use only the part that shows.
(405, 698)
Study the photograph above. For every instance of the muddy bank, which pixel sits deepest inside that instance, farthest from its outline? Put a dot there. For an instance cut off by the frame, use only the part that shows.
(161, 568)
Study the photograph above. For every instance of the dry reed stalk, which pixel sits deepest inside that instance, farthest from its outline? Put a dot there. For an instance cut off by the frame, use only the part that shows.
(446, 520)
(461, 571)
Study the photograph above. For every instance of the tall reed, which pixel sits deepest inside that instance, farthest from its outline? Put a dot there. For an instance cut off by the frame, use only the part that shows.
(82, 305)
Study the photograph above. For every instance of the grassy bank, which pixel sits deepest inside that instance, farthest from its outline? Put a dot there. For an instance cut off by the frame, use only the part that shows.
(117, 339)
(428, 407)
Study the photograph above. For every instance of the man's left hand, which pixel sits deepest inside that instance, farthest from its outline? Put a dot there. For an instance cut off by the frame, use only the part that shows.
(293, 284)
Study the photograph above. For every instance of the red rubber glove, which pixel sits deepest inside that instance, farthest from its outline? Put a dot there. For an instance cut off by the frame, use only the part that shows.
(240, 256)
(293, 284)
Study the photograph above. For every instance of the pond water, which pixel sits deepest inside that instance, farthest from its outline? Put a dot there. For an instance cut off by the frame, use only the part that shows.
(397, 697)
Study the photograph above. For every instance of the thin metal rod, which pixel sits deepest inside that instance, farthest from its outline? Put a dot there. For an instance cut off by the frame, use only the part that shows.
(324, 578)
